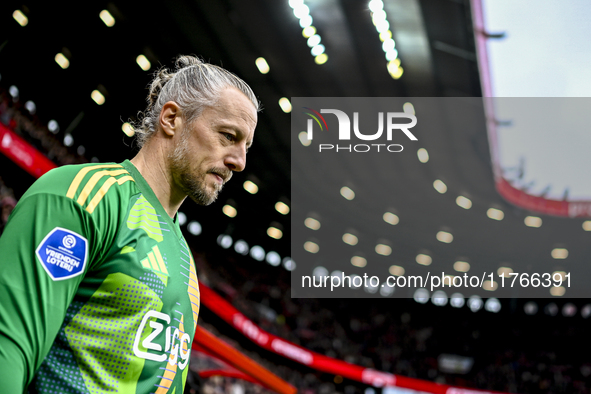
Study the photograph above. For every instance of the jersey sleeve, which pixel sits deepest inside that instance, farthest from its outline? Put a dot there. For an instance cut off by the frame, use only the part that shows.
(46, 248)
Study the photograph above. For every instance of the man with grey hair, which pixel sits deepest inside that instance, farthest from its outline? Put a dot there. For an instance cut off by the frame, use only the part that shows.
(98, 287)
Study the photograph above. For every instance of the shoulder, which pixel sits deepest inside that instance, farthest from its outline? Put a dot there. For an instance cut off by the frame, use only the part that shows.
(88, 185)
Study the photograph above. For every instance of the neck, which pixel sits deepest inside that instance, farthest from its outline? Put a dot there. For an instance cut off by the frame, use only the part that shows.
(151, 163)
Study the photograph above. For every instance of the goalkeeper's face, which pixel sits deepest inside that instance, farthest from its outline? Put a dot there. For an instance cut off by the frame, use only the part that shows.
(214, 145)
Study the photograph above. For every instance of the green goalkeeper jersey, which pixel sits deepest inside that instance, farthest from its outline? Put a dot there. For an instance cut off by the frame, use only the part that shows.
(98, 289)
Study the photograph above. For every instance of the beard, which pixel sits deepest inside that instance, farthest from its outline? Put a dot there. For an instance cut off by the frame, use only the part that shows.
(193, 183)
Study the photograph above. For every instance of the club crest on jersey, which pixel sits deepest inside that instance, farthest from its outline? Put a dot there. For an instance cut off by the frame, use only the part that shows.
(63, 253)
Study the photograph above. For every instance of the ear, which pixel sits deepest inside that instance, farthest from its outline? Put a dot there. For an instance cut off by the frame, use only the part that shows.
(170, 118)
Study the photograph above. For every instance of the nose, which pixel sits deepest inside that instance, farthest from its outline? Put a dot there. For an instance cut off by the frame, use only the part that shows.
(236, 159)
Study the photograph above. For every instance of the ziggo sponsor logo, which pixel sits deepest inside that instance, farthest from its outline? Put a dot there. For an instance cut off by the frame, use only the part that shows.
(171, 337)
(345, 131)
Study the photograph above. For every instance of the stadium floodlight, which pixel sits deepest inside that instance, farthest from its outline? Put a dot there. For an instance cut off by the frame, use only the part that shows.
(586, 311)
(257, 253)
(359, 261)
(464, 202)
(320, 272)
(386, 291)
(457, 300)
(551, 309)
(273, 259)
(410, 109)
(356, 281)
(439, 298)
(421, 296)
(107, 18)
(422, 154)
(371, 287)
(530, 308)
(194, 227)
(391, 218)
(492, 305)
(350, 239)
(288, 264)
(440, 186)
(13, 91)
(68, 140)
(20, 18)
(311, 247)
(182, 218)
(53, 126)
(314, 40)
(127, 129)
(274, 232)
(143, 62)
(31, 107)
(282, 207)
(262, 65)
(312, 223)
(347, 193)
(336, 273)
(241, 247)
(225, 241)
(97, 97)
(285, 104)
(475, 303)
(317, 50)
(376, 5)
(569, 309)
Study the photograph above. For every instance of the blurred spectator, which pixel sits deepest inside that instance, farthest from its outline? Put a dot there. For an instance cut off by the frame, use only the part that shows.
(7, 204)
(402, 337)
(28, 126)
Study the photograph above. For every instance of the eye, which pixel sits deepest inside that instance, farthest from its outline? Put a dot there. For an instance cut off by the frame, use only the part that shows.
(228, 136)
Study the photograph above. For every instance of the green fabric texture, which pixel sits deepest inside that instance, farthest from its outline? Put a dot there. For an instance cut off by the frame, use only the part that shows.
(107, 322)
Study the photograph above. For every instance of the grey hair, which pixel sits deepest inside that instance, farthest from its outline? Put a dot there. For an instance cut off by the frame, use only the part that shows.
(193, 85)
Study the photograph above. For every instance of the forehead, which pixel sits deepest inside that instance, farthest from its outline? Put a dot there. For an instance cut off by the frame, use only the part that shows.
(235, 109)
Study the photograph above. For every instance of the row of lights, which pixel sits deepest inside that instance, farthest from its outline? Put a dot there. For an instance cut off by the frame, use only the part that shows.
(457, 300)
(568, 310)
(494, 213)
(240, 246)
(256, 252)
(380, 21)
(52, 125)
(63, 59)
(393, 219)
(426, 260)
(423, 259)
(302, 12)
(421, 295)
(263, 66)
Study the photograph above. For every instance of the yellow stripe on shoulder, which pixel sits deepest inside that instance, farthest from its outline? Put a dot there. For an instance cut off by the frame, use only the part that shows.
(104, 189)
(82, 173)
(94, 179)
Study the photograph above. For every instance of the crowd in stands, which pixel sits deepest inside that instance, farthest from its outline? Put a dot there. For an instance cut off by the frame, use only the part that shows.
(512, 352)
(25, 123)
(7, 204)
